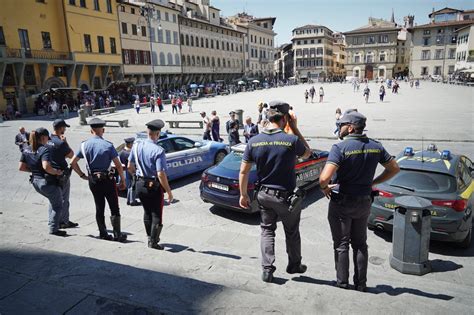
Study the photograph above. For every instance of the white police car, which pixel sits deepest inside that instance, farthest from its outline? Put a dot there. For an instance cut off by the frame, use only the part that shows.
(185, 156)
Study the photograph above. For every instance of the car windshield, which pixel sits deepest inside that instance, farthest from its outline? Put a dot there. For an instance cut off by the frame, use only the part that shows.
(232, 161)
(423, 182)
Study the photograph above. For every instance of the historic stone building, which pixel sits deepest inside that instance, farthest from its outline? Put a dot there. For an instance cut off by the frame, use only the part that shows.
(465, 48)
(433, 47)
(339, 55)
(284, 62)
(313, 48)
(376, 49)
(211, 49)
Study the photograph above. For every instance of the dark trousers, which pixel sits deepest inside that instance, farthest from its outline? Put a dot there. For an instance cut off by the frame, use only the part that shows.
(152, 108)
(174, 109)
(152, 202)
(207, 135)
(272, 208)
(348, 221)
(105, 189)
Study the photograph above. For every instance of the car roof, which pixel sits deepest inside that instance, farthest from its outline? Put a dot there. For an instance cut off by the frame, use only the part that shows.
(240, 148)
(430, 161)
(163, 135)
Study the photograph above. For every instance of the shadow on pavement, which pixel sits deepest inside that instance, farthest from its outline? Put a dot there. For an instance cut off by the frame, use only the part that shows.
(176, 248)
(246, 218)
(439, 265)
(178, 183)
(312, 196)
(380, 289)
(83, 285)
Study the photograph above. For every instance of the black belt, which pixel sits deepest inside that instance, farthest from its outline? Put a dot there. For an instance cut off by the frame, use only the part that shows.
(275, 192)
(100, 175)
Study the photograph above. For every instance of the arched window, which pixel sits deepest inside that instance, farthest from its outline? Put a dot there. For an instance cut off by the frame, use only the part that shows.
(223, 62)
(192, 41)
(228, 48)
(154, 58)
(176, 59)
(170, 59)
(202, 42)
(208, 63)
(187, 40)
(198, 61)
(193, 61)
(182, 39)
(162, 59)
(207, 43)
(197, 41)
(213, 62)
(217, 44)
(203, 61)
(183, 58)
(189, 60)
(218, 62)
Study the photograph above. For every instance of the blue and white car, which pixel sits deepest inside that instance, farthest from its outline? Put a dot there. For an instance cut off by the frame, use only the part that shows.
(185, 156)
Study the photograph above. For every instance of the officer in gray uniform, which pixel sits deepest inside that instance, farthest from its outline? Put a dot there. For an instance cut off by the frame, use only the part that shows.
(99, 154)
(148, 161)
(353, 162)
(275, 152)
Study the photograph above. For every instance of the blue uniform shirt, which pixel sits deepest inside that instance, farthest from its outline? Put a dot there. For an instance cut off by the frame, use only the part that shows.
(99, 154)
(357, 158)
(59, 149)
(274, 152)
(34, 160)
(151, 158)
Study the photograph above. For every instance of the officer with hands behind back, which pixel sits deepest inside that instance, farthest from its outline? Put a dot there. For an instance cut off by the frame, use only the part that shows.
(353, 162)
(99, 154)
(148, 161)
(275, 153)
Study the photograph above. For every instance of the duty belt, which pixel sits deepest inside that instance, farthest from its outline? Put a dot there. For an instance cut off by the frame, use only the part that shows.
(275, 192)
(100, 175)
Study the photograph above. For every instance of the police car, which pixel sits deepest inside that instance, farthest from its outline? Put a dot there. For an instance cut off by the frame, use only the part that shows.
(185, 156)
(220, 183)
(441, 177)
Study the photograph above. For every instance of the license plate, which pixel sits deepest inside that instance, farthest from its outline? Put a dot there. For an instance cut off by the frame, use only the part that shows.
(219, 186)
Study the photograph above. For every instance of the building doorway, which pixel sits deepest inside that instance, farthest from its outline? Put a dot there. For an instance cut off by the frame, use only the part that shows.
(369, 72)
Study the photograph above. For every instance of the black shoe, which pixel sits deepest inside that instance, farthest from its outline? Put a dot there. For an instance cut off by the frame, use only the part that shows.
(155, 245)
(69, 225)
(59, 233)
(106, 237)
(361, 288)
(296, 269)
(343, 285)
(267, 276)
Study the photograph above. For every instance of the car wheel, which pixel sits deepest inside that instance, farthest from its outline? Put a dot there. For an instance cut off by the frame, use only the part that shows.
(467, 241)
(219, 156)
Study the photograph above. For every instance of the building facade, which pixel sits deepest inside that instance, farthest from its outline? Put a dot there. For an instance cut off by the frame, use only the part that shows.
(284, 62)
(465, 48)
(339, 55)
(211, 50)
(373, 50)
(259, 42)
(313, 47)
(433, 46)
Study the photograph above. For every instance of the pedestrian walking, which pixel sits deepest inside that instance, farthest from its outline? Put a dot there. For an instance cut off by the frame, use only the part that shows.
(274, 153)
(152, 104)
(98, 154)
(215, 126)
(228, 128)
(353, 163)
(174, 105)
(250, 129)
(179, 102)
(137, 106)
(60, 151)
(65, 110)
(338, 117)
(206, 121)
(37, 161)
(306, 94)
(234, 137)
(366, 93)
(321, 94)
(159, 102)
(312, 91)
(124, 155)
(22, 139)
(382, 92)
(417, 84)
(148, 163)
(190, 104)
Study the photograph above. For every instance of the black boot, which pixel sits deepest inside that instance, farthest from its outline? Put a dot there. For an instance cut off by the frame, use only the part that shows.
(154, 238)
(103, 229)
(118, 235)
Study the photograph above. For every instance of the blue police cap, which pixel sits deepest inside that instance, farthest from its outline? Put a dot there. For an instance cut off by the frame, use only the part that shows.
(129, 140)
(353, 118)
(60, 123)
(96, 123)
(41, 132)
(155, 125)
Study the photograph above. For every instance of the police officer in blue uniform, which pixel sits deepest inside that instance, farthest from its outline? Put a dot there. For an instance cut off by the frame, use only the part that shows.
(148, 162)
(352, 163)
(275, 153)
(124, 154)
(36, 159)
(99, 154)
(60, 150)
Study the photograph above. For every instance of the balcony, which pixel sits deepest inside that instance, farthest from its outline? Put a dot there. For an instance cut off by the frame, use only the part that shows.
(35, 54)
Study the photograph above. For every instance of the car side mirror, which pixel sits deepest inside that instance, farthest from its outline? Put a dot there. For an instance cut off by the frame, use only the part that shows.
(197, 144)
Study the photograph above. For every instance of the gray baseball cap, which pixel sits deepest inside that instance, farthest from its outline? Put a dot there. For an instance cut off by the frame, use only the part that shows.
(353, 118)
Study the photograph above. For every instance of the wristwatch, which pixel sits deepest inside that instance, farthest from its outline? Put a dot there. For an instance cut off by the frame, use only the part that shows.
(323, 187)
(83, 175)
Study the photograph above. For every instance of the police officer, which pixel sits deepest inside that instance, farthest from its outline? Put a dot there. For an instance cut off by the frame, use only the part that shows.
(148, 162)
(353, 162)
(124, 154)
(275, 152)
(60, 150)
(98, 154)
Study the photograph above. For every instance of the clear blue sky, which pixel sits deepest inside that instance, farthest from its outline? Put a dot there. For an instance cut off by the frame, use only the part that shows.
(338, 15)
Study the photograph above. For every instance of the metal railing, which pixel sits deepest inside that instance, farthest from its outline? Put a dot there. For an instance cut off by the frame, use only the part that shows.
(37, 54)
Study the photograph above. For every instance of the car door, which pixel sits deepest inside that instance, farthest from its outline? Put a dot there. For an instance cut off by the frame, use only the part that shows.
(171, 158)
(189, 155)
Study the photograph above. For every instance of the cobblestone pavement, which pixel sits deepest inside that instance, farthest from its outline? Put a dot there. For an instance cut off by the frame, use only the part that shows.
(211, 262)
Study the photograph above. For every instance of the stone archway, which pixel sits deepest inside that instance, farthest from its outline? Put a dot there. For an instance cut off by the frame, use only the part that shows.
(53, 82)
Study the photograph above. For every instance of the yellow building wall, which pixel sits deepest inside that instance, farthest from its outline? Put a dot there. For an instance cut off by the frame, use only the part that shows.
(35, 17)
(82, 21)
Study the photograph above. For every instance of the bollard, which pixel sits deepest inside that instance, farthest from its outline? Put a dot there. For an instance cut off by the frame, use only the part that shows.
(240, 117)
(411, 236)
(82, 116)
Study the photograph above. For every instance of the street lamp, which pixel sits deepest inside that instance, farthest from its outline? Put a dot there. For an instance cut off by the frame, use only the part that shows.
(150, 13)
